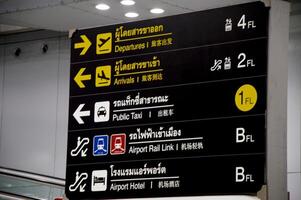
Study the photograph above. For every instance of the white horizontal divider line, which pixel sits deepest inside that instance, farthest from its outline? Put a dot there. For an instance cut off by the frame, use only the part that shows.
(170, 140)
(142, 179)
(170, 122)
(144, 108)
(171, 86)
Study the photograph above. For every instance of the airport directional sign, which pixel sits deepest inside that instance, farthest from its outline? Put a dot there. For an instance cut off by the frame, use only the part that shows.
(173, 106)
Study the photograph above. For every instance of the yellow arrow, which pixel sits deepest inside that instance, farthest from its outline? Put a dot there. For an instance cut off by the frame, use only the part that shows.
(79, 78)
(83, 45)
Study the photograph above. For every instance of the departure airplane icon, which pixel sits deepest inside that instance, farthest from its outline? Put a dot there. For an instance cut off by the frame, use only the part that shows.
(103, 41)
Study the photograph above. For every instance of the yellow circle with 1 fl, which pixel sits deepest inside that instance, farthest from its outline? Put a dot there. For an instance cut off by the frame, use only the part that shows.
(246, 97)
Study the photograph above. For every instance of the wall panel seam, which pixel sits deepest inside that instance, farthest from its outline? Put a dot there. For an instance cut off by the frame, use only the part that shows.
(57, 106)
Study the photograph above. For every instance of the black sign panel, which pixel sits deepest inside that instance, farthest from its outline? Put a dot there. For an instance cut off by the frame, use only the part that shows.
(216, 26)
(177, 103)
(233, 135)
(234, 60)
(174, 106)
(195, 176)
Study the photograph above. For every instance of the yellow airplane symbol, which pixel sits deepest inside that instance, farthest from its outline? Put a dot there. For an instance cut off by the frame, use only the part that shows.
(103, 43)
(103, 76)
(85, 45)
(79, 78)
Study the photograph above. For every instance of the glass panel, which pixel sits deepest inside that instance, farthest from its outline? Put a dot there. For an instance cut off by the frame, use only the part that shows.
(29, 188)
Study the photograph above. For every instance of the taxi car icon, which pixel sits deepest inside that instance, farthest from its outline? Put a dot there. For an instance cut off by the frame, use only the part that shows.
(101, 111)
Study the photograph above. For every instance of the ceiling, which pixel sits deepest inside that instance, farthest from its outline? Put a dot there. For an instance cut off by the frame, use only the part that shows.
(63, 15)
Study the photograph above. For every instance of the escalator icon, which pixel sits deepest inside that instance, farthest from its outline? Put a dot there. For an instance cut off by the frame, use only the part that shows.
(81, 147)
(79, 182)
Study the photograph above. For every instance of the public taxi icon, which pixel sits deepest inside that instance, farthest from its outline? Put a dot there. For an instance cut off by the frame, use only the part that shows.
(102, 111)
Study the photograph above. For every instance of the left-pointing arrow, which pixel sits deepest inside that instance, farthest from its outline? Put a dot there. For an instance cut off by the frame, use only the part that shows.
(79, 78)
(78, 114)
(85, 45)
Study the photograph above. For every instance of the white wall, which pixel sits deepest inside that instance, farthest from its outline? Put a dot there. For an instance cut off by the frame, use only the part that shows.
(1, 87)
(62, 107)
(294, 107)
(34, 101)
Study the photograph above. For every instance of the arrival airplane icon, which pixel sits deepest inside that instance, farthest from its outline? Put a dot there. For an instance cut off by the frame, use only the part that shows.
(103, 76)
